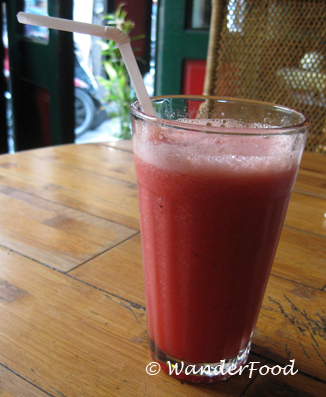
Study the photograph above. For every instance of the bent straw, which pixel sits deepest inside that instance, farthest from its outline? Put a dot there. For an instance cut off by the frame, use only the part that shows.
(105, 32)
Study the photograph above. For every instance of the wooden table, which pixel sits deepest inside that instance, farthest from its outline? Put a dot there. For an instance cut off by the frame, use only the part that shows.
(72, 310)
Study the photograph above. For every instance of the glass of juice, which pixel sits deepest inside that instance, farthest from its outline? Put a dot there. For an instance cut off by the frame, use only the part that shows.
(215, 177)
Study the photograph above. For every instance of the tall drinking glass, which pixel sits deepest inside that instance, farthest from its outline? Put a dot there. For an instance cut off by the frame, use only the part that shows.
(215, 177)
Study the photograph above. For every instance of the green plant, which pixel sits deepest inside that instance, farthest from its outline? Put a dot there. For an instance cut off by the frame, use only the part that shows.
(118, 86)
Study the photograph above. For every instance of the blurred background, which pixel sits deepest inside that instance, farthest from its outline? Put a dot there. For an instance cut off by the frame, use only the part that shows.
(97, 117)
(62, 88)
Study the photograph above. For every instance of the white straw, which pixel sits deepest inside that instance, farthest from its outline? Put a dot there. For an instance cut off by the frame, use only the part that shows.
(105, 32)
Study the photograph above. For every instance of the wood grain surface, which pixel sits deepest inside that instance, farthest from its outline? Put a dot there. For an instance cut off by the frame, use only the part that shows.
(72, 307)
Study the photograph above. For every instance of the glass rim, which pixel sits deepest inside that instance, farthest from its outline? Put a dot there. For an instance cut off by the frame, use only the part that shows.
(293, 129)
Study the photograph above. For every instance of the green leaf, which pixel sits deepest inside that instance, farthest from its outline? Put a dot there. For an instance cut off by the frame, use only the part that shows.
(110, 70)
(117, 85)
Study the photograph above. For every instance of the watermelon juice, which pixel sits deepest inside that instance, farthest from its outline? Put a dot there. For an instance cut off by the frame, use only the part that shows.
(212, 208)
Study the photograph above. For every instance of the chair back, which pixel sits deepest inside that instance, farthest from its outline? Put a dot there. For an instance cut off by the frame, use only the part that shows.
(274, 51)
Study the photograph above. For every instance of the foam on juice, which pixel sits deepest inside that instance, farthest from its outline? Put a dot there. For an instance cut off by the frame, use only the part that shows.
(196, 152)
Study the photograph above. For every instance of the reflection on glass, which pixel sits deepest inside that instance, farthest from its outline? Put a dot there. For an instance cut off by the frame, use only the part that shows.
(201, 14)
(38, 7)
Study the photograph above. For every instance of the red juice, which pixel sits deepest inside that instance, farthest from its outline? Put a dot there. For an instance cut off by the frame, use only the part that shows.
(209, 237)
(212, 209)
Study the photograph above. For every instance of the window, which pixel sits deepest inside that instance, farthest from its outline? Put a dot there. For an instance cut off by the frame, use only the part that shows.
(37, 33)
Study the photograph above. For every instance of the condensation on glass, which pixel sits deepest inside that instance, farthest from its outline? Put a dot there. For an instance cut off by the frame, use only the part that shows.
(37, 33)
